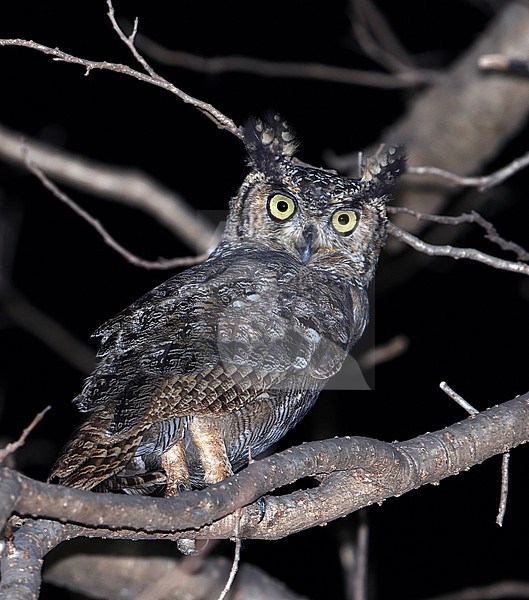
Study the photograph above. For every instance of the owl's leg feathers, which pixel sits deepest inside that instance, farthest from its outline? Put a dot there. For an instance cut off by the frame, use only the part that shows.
(175, 466)
(211, 449)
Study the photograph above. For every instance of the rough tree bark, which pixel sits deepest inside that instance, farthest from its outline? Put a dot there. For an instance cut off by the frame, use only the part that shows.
(353, 473)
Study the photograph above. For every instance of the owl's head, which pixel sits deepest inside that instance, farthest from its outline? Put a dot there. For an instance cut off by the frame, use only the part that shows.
(321, 218)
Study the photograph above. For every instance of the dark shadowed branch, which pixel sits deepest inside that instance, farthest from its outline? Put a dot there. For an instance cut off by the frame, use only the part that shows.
(494, 591)
(115, 183)
(377, 38)
(283, 69)
(107, 576)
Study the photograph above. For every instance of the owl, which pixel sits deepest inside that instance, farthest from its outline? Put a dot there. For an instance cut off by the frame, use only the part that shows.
(215, 365)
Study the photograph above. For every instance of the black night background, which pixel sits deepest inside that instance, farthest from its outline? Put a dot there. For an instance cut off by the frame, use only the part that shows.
(464, 322)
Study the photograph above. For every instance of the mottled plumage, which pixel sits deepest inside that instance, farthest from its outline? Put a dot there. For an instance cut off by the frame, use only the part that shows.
(220, 361)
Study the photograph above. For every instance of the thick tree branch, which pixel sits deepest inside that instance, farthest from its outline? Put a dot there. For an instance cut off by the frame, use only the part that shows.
(465, 117)
(354, 472)
(399, 467)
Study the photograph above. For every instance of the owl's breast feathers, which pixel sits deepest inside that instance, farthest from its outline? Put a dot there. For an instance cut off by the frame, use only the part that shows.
(248, 324)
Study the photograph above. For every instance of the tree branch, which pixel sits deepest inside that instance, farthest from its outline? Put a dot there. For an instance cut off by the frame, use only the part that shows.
(483, 182)
(220, 120)
(14, 446)
(494, 591)
(112, 183)
(161, 263)
(456, 253)
(283, 69)
(506, 64)
(49, 331)
(377, 38)
(354, 472)
(400, 467)
(472, 217)
(462, 120)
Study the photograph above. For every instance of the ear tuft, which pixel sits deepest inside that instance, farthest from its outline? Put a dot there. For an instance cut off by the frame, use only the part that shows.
(385, 166)
(268, 140)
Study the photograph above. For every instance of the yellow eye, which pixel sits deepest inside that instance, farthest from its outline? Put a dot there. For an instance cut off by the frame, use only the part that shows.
(280, 207)
(344, 221)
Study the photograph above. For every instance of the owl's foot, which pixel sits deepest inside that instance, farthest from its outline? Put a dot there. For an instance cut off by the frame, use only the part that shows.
(175, 466)
(177, 481)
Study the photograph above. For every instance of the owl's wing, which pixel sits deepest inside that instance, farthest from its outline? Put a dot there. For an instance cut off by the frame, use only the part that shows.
(205, 343)
(213, 338)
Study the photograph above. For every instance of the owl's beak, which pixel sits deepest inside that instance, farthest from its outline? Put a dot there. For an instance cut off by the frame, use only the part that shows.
(307, 244)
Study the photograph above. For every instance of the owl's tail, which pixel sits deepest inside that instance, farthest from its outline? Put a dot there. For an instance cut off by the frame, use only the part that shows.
(90, 458)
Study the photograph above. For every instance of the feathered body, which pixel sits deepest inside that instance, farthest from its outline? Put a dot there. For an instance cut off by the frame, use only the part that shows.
(219, 362)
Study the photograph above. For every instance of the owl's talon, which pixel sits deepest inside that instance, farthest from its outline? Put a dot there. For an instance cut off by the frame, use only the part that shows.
(262, 506)
(183, 487)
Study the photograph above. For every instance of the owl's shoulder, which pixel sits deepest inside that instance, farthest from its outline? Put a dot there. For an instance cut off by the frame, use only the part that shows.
(231, 270)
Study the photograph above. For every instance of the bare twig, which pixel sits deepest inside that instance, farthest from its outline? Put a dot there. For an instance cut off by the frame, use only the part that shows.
(459, 399)
(14, 446)
(234, 568)
(354, 560)
(504, 488)
(500, 62)
(221, 120)
(472, 217)
(129, 40)
(483, 182)
(384, 352)
(505, 458)
(107, 238)
(456, 253)
(283, 69)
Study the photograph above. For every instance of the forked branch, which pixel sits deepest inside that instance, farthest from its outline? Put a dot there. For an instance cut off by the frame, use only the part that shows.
(221, 120)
